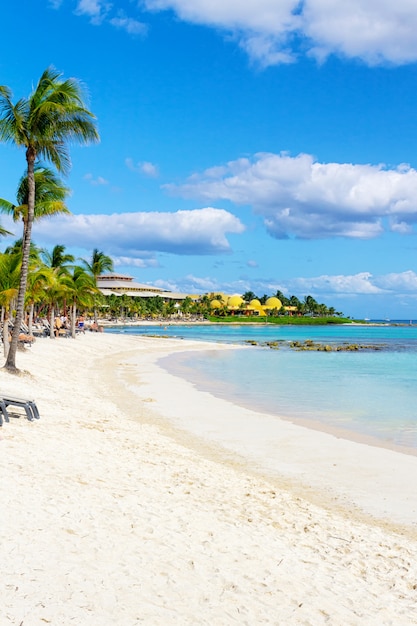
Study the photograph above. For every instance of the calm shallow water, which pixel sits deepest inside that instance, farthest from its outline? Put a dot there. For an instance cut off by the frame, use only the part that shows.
(368, 393)
(238, 333)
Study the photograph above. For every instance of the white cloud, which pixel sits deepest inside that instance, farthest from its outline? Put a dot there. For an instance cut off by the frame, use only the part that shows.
(362, 283)
(189, 284)
(278, 31)
(199, 231)
(258, 15)
(96, 10)
(149, 169)
(302, 197)
(375, 31)
(271, 31)
(405, 282)
(95, 181)
(146, 260)
(143, 167)
(262, 27)
(100, 11)
(129, 24)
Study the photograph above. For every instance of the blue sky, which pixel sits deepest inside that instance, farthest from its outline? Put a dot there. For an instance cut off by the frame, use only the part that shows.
(255, 145)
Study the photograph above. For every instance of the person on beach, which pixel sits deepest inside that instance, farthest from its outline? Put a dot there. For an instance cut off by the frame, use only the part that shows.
(64, 322)
(58, 326)
(80, 323)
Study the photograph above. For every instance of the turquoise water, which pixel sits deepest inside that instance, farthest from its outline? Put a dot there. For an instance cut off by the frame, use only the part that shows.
(370, 392)
(401, 335)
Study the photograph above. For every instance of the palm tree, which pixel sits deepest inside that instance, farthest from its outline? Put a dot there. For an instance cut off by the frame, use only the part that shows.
(42, 124)
(283, 299)
(58, 258)
(50, 194)
(16, 248)
(248, 296)
(294, 301)
(310, 304)
(39, 278)
(186, 305)
(55, 292)
(99, 264)
(79, 288)
(9, 284)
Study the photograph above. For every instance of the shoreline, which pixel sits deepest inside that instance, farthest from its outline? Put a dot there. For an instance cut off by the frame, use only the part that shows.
(334, 470)
(209, 386)
(116, 513)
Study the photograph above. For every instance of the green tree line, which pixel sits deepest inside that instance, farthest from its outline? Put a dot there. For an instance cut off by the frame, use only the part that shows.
(307, 306)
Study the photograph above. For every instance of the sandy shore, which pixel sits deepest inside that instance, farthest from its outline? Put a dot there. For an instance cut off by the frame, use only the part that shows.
(122, 506)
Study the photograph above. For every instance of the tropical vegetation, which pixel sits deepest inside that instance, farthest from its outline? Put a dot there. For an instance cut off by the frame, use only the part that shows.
(42, 124)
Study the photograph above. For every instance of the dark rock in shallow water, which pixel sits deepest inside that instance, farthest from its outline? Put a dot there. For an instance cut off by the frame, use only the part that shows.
(320, 347)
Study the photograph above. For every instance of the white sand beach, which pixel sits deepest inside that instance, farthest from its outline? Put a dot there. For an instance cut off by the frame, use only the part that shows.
(132, 501)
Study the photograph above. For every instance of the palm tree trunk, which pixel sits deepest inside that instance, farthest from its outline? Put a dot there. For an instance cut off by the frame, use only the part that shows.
(30, 320)
(52, 323)
(73, 319)
(6, 344)
(10, 364)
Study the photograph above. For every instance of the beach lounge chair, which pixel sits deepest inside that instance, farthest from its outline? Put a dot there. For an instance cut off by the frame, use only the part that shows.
(39, 330)
(29, 406)
(24, 338)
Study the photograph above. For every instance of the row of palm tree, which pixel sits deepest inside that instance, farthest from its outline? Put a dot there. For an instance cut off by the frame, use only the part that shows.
(57, 282)
(42, 125)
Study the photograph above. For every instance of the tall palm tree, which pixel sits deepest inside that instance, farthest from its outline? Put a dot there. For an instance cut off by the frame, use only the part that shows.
(42, 124)
(58, 258)
(99, 264)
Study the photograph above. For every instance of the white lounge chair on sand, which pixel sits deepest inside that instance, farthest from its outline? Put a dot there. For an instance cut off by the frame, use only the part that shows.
(28, 405)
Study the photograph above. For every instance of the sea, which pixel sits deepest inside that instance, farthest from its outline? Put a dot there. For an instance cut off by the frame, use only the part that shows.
(369, 392)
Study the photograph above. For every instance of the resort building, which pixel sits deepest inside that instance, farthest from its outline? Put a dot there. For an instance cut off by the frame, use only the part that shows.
(121, 284)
